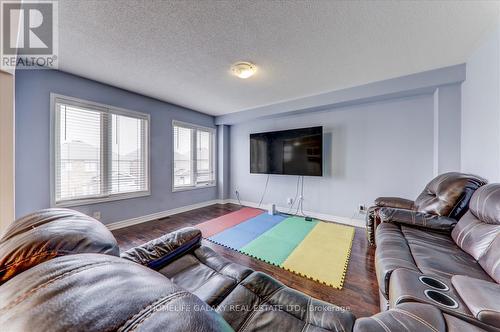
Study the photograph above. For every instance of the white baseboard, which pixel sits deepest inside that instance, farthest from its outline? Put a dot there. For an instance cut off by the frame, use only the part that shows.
(159, 215)
(162, 214)
(322, 216)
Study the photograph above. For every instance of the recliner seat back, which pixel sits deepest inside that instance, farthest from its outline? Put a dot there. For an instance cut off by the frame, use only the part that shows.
(448, 194)
(478, 231)
(490, 260)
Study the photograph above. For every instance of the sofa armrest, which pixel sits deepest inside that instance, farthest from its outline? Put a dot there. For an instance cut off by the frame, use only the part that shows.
(395, 202)
(158, 252)
(405, 317)
(413, 316)
(481, 297)
(418, 219)
(372, 219)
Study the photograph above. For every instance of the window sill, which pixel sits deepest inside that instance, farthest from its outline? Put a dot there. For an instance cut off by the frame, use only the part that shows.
(193, 187)
(89, 201)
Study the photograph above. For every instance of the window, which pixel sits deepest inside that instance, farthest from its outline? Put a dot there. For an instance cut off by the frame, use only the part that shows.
(99, 153)
(194, 160)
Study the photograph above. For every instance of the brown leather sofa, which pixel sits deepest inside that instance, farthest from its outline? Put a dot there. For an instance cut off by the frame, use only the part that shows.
(61, 271)
(436, 260)
(446, 195)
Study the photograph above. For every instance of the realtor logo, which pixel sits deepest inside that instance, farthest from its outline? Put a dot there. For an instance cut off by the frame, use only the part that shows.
(29, 34)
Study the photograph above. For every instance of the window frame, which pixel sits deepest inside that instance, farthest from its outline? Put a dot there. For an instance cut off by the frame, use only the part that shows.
(54, 129)
(194, 152)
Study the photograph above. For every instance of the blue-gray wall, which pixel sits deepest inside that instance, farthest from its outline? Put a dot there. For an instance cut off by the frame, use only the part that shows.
(370, 150)
(33, 90)
(387, 138)
(481, 110)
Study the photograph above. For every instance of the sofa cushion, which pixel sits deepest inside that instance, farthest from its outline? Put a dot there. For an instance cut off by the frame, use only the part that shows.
(206, 274)
(437, 254)
(392, 253)
(261, 303)
(50, 233)
(448, 194)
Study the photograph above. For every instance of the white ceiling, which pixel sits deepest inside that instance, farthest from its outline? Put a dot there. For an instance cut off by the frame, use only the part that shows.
(181, 51)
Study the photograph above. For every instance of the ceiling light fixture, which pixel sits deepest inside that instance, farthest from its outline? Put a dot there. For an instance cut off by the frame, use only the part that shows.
(243, 69)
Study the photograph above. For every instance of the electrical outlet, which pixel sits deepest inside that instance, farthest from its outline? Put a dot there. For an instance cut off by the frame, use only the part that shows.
(361, 209)
(289, 201)
(97, 215)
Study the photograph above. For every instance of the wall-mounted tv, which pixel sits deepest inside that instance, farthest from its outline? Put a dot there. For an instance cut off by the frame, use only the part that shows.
(290, 152)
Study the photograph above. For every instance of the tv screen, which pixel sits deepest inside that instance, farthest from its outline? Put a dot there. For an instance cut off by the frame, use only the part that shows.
(290, 152)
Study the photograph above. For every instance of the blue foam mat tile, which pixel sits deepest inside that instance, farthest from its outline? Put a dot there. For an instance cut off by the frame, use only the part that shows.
(240, 235)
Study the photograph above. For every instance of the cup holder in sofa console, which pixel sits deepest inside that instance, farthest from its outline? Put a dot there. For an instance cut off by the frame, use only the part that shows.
(441, 298)
(434, 283)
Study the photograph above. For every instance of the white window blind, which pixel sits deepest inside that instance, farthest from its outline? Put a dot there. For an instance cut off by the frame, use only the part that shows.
(183, 157)
(194, 148)
(99, 154)
(128, 155)
(79, 161)
(204, 169)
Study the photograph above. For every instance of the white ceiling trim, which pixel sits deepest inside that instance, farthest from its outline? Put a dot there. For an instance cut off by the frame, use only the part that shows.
(181, 51)
(410, 85)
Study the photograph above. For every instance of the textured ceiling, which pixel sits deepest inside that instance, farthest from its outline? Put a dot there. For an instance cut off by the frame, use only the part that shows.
(181, 51)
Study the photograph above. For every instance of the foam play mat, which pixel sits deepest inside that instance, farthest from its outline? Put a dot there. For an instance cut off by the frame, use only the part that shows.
(315, 249)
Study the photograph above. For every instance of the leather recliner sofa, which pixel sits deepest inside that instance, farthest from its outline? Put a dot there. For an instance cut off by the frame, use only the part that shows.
(437, 260)
(447, 195)
(62, 271)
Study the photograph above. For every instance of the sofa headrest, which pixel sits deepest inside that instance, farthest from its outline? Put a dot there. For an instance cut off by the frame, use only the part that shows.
(448, 194)
(50, 233)
(485, 203)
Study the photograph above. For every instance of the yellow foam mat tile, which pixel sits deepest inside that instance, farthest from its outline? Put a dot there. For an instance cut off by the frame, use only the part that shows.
(323, 255)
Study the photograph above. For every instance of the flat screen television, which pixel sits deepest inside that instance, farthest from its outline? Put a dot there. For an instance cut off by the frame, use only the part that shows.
(288, 152)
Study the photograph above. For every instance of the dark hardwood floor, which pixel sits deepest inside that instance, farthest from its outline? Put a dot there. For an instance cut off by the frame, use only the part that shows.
(360, 292)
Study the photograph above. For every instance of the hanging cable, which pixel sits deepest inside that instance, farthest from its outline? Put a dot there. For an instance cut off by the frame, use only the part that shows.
(300, 205)
(302, 200)
(307, 218)
(301, 178)
(296, 195)
(265, 189)
(238, 197)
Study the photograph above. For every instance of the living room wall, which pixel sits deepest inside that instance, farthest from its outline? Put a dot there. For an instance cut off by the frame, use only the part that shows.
(33, 88)
(481, 110)
(388, 147)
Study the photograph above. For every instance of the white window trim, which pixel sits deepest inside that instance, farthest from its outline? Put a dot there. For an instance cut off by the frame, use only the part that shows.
(213, 131)
(115, 110)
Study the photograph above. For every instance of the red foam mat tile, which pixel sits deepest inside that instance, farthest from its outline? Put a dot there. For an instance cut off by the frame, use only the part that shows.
(217, 225)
